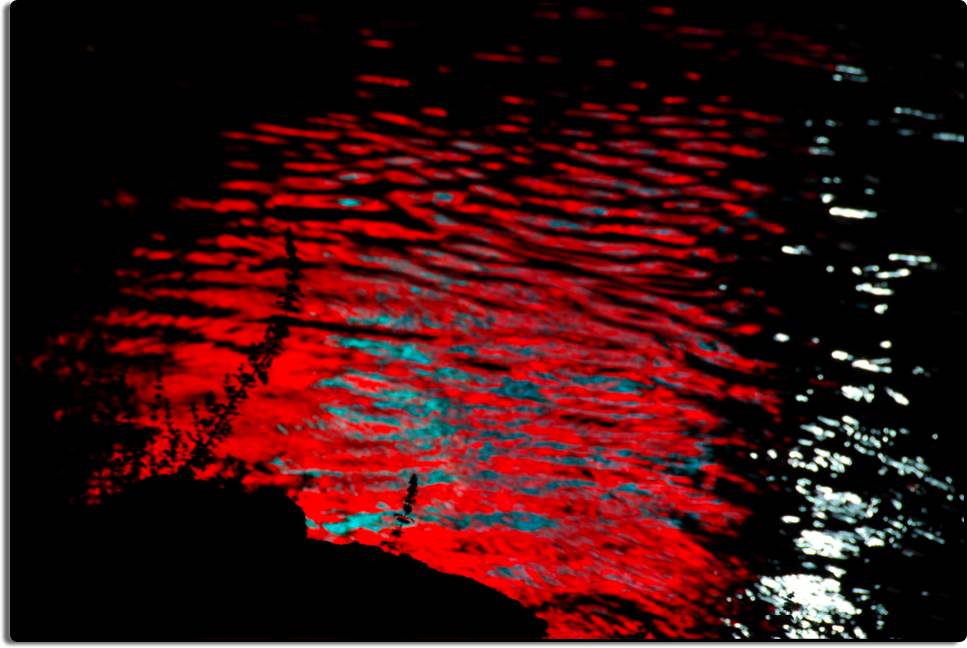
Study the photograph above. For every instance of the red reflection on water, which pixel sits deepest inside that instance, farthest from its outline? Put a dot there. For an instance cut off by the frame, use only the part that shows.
(529, 339)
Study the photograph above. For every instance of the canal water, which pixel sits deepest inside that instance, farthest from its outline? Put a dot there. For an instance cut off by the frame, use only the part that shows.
(660, 308)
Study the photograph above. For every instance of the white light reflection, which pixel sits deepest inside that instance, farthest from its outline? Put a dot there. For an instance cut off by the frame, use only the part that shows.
(850, 212)
(812, 603)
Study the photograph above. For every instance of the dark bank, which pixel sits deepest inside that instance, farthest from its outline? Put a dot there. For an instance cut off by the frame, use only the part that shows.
(183, 560)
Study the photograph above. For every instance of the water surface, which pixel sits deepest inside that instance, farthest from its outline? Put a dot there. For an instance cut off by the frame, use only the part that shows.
(640, 311)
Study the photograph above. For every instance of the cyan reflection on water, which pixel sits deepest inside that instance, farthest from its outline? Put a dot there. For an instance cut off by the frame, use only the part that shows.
(617, 338)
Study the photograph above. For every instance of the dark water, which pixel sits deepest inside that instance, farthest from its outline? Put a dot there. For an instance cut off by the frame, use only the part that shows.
(658, 305)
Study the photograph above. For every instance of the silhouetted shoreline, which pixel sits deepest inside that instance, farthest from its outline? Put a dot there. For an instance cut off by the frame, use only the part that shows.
(175, 559)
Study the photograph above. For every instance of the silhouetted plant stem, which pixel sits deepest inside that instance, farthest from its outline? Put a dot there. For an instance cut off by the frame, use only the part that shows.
(184, 451)
(404, 518)
(218, 424)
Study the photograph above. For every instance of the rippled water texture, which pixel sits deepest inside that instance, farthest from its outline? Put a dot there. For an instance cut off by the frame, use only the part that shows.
(630, 326)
